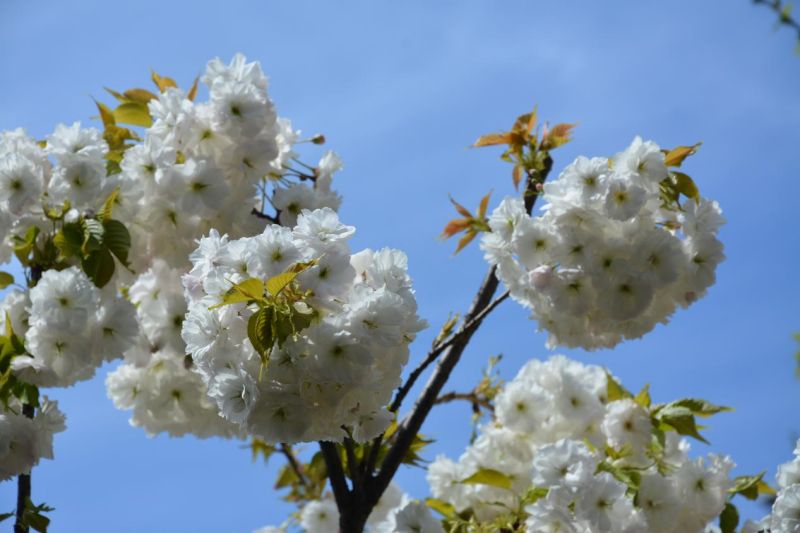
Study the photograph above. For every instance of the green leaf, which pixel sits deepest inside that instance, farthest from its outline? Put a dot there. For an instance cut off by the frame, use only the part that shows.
(729, 519)
(27, 393)
(99, 266)
(261, 448)
(614, 389)
(286, 478)
(135, 113)
(441, 507)
(259, 331)
(92, 235)
(700, 407)
(534, 494)
(681, 419)
(487, 476)
(6, 279)
(117, 239)
(69, 241)
(686, 186)
(23, 246)
(6, 516)
(747, 486)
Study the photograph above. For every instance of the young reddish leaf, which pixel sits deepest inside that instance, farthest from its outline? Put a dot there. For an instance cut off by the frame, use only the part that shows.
(493, 139)
(674, 157)
(557, 136)
(483, 205)
(465, 240)
(463, 211)
(455, 226)
(516, 175)
(532, 120)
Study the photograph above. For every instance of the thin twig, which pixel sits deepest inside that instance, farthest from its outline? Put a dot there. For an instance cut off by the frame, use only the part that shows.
(466, 329)
(264, 216)
(783, 10)
(287, 451)
(470, 397)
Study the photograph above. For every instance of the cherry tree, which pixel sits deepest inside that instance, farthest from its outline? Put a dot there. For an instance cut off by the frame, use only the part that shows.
(191, 240)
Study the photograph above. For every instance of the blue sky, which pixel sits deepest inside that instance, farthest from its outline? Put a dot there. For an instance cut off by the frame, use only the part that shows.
(401, 89)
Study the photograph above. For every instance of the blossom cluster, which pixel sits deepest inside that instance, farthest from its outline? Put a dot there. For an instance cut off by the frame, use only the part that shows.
(24, 441)
(70, 326)
(154, 382)
(200, 166)
(613, 253)
(395, 512)
(562, 456)
(785, 515)
(352, 317)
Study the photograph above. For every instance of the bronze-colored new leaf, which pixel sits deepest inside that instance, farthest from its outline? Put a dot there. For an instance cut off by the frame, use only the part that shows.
(493, 139)
(162, 82)
(674, 157)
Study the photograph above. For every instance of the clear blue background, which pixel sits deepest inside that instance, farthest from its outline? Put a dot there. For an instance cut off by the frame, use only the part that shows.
(401, 89)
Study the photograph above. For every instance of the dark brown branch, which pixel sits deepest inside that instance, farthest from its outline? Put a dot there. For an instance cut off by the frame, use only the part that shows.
(264, 216)
(335, 473)
(24, 480)
(287, 451)
(352, 463)
(23, 486)
(450, 357)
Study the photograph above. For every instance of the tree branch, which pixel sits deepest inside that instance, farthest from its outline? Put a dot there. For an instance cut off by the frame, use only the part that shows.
(413, 422)
(335, 474)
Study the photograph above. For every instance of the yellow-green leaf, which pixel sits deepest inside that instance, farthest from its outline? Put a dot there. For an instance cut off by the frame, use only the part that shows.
(192, 94)
(443, 508)
(106, 115)
(277, 283)
(6, 279)
(614, 389)
(108, 205)
(133, 113)
(249, 290)
(643, 397)
(487, 476)
(142, 96)
(162, 82)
